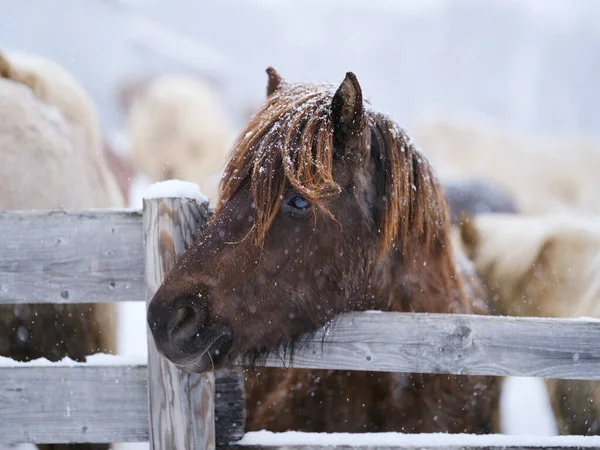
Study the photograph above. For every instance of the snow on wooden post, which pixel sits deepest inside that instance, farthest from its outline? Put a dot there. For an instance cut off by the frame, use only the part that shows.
(181, 405)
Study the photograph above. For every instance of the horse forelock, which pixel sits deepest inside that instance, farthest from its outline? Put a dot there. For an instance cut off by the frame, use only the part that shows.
(289, 143)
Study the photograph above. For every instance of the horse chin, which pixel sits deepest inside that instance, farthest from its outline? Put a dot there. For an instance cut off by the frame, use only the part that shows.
(212, 358)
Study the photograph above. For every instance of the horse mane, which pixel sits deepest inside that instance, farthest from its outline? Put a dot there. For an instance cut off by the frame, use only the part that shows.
(289, 142)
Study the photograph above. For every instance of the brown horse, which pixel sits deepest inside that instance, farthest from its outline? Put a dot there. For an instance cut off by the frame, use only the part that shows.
(326, 207)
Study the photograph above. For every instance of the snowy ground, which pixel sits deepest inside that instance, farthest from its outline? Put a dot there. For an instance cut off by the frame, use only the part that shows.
(442, 440)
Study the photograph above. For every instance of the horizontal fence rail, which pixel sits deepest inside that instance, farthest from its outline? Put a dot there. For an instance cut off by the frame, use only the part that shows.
(71, 257)
(109, 403)
(96, 404)
(453, 344)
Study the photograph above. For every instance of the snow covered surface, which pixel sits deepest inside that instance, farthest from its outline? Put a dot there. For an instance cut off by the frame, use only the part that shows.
(130, 446)
(525, 408)
(99, 359)
(131, 330)
(137, 189)
(174, 189)
(433, 439)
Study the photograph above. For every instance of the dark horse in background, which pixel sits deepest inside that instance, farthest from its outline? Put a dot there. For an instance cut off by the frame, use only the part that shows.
(326, 207)
(473, 197)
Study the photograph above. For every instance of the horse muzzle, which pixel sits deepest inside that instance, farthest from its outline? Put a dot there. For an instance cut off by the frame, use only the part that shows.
(184, 334)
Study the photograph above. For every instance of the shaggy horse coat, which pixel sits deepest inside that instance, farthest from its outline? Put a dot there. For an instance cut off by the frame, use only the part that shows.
(325, 207)
(53, 85)
(47, 164)
(57, 88)
(547, 266)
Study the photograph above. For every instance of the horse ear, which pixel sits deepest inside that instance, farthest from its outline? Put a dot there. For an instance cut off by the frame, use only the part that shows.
(275, 83)
(347, 111)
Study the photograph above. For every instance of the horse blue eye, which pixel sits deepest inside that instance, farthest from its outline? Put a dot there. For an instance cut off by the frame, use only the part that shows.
(299, 202)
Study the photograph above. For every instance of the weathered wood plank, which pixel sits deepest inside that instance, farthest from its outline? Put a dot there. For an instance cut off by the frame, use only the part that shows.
(181, 404)
(73, 404)
(96, 404)
(75, 257)
(454, 344)
(33, 400)
(230, 406)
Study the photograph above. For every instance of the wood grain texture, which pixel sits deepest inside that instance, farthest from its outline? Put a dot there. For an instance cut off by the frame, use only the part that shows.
(181, 405)
(73, 404)
(230, 406)
(71, 257)
(453, 344)
(96, 404)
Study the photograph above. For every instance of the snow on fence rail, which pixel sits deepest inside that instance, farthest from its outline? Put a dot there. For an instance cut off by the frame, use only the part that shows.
(100, 256)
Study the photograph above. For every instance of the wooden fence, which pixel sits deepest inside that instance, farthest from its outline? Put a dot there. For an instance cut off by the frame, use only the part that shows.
(122, 255)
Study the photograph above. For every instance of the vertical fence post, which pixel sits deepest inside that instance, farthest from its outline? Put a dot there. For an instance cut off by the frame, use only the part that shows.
(181, 405)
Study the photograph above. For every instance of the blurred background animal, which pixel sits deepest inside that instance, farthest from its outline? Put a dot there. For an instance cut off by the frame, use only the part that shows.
(543, 174)
(52, 159)
(57, 88)
(177, 128)
(474, 197)
(544, 266)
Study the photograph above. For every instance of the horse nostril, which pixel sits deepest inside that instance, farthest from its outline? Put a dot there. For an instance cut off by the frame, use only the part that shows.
(182, 317)
(186, 322)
